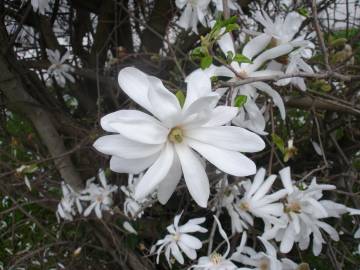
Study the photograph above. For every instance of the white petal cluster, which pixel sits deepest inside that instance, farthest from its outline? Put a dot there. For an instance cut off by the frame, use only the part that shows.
(195, 11)
(93, 197)
(58, 69)
(133, 208)
(70, 203)
(251, 199)
(179, 240)
(262, 260)
(283, 31)
(164, 144)
(99, 197)
(304, 214)
(217, 261)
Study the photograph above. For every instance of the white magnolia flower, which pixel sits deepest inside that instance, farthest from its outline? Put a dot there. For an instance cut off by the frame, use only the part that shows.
(217, 261)
(132, 207)
(66, 208)
(99, 197)
(179, 240)
(228, 201)
(303, 215)
(254, 51)
(195, 11)
(39, 5)
(58, 69)
(283, 31)
(164, 143)
(256, 202)
(262, 260)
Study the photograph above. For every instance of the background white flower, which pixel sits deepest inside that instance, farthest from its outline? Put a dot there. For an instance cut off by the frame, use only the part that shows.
(179, 240)
(69, 203)
(195, 11)
(164, 143)
(217, 261)
(99, 197)
(58, 69)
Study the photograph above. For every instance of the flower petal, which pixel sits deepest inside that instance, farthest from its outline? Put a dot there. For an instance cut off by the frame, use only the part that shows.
(139, 126)
(168, 185)
(156, 173)
(133, 166)
(227, 137)
(194, 174)
(136, 85)
(120, 146)
(221, 115)
(230, 162)
(256, 45)
(190, 241)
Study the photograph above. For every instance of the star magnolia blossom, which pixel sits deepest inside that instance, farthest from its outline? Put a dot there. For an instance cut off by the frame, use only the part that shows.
(179, 240)
(262, 260)
(58, 69)
(254, 50)
(66, 208)
(303, 214)
(164, 143)
(195, 11)
(256, 202)
(283, 31)
(99, 197)
(217, 261)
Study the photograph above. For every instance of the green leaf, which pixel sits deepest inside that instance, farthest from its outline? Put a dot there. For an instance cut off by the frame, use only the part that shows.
(181, 97)
(197, 53)
(278, 142)
(303, 11)
(241, 58)
(229, 57)
(232, 27)
(240, 101)
(206, 61)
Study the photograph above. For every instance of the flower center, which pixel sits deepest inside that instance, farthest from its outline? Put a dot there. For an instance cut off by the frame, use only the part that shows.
(264, 264)
(242, 74)
(99, 198)
(216, 258)
(293, 207)
(176, 237)
(176, 135)
(244, 206)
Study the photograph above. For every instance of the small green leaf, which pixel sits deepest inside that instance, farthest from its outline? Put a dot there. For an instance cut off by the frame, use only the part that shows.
(303, 11)
(240, 101)
(278, 142)
(232, 27)
(206, 61)
(229, 57)
(241, 58)
(181, 97)
(197, 53)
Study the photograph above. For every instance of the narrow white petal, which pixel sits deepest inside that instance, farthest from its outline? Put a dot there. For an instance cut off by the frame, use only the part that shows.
(230, 162)
(194, 174)
(139, 126)
(168, 185)
(190, 241)
(221, 115)
(285, 176)
(256, 45)
(156, 173)
(133, 166)
(120, 146)
(228, 137)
